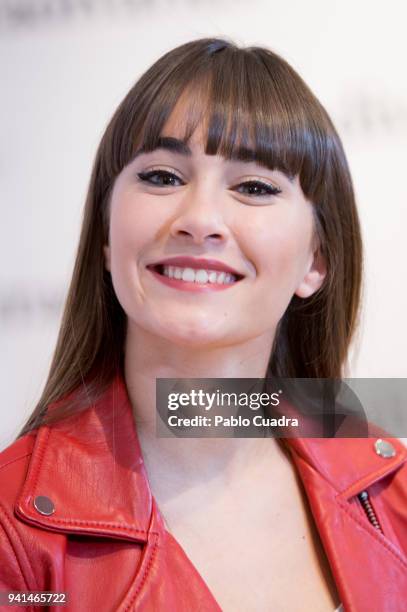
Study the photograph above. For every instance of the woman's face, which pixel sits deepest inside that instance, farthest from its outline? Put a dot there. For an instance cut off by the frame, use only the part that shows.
(168, 204)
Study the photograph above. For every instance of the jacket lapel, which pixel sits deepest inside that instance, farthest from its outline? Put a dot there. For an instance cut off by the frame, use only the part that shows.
(91, 468)
(369, 568)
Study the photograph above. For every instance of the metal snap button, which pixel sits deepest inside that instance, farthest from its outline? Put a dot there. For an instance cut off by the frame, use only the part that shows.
(384, 449)
(44, 505)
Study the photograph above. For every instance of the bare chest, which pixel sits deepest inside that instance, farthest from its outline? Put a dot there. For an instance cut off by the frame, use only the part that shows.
(256, 557)
(249, 532)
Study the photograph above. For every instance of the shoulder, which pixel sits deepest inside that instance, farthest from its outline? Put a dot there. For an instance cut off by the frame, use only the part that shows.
(14, 462)
(21, 447)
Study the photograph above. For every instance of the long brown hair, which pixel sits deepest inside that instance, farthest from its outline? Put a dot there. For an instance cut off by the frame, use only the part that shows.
(246, 95)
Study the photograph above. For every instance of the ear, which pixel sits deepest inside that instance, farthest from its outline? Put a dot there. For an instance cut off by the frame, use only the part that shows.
(314, 276)
(106, 251)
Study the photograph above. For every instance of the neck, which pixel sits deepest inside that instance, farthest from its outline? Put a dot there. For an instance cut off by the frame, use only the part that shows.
(148, 357)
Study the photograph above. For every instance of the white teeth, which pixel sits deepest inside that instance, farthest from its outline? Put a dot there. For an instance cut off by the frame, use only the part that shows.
(188, 274)
(199, 276)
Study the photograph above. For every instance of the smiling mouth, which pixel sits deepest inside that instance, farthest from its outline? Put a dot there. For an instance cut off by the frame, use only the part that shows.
(194, 276)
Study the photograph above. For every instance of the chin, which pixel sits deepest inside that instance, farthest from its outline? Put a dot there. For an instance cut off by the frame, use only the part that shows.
(194, 337)
(192, 334)
(201, 337)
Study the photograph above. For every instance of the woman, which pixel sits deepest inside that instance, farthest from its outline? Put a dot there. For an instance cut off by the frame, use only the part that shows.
(220, 160)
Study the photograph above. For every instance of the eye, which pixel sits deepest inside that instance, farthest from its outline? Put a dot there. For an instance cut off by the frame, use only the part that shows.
(160, 178)
(164, 178)
(258, 188)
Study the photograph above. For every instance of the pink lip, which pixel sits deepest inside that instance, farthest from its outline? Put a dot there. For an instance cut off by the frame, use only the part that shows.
(197, 263)
(188, 286)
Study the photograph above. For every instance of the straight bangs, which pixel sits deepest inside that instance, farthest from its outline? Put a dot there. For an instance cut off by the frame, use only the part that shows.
(252, 107)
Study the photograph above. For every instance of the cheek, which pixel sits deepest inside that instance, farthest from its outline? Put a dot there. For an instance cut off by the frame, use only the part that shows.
(133, 226)
(283, 249)
(133, 229)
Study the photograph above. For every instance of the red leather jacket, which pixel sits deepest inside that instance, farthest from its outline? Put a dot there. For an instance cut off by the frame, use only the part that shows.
(105, 542)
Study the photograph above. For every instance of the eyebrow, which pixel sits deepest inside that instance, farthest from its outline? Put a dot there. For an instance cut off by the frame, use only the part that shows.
(174, 145)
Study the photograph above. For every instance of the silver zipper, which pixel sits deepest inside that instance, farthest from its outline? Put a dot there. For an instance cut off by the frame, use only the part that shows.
(367, 507)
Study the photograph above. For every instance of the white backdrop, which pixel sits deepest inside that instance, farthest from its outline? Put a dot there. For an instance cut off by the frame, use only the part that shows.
(66, 64)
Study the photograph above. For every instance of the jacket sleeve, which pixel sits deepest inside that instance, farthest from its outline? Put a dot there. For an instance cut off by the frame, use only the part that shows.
(11, 574)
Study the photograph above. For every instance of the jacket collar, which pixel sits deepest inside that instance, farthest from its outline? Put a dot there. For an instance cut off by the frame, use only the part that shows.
(91, 467)
(350, 465)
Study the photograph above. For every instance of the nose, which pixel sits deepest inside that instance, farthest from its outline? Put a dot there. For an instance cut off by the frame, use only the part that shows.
(200, 218)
